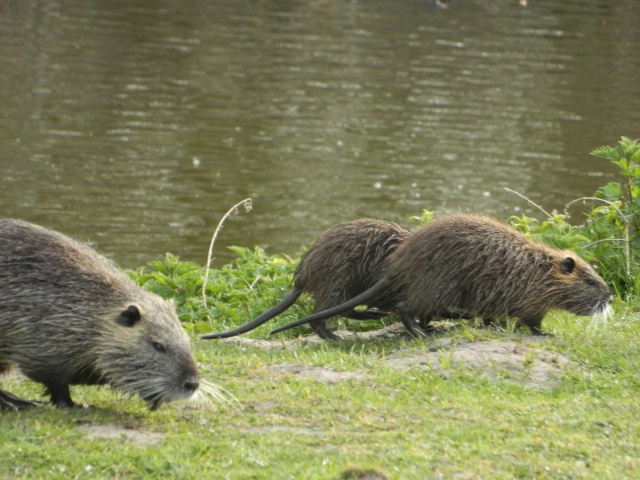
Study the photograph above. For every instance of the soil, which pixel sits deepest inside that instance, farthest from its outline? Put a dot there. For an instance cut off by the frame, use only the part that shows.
(516, 362)
(520, 362)
(135, 437)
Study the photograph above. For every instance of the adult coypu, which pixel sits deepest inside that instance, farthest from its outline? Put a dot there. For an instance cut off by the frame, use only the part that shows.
(68, 316)
(474, 265)
(344, 261)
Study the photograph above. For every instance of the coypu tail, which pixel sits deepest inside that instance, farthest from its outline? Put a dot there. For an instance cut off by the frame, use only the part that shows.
(285, 303)
(377, 288)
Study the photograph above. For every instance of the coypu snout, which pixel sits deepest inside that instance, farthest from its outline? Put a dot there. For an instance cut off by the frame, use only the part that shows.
(189, 387)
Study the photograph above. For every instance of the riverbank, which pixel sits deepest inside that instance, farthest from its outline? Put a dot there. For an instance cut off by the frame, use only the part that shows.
(468, 403)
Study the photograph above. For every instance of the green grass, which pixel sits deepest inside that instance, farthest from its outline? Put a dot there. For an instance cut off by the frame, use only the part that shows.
(402, 424)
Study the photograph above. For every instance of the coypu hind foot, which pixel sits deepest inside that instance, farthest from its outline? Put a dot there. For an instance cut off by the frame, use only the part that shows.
(11, 402)
(320, 327)
(417, 330)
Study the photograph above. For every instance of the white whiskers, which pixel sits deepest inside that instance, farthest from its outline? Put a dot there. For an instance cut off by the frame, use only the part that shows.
(209, 393)
(600, 319)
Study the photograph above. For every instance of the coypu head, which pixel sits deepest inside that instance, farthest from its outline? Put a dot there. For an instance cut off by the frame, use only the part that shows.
(576, 287)
(143, 349)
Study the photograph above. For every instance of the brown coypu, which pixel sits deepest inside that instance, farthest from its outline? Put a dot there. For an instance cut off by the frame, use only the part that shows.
(344, 261)
(69, 316)
(474, 265)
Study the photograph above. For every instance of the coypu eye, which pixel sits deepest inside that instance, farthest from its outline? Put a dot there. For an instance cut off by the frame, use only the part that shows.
(129, 317)
(158, 347)
(568, 265)
(591, 282)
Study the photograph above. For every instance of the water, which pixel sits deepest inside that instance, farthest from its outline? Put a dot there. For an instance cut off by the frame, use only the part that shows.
(136, 125)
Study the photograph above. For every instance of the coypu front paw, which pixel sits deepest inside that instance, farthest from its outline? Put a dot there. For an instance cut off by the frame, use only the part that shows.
(60, 396)
(536, 331)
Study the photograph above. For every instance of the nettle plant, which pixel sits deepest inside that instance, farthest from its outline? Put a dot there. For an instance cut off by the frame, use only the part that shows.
(608, 237)
(235, 293)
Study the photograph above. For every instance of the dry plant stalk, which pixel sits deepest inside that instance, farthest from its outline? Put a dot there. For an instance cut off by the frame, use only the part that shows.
(530, 201)
(247, 204)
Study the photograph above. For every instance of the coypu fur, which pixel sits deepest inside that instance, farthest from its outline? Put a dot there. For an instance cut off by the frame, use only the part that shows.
(344, 261)
(68, 316)
(474, 265)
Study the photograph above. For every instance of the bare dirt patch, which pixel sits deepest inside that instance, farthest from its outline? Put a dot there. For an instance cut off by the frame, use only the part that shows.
(110, 432)
(266, 429)
(319, 374)
(535, 368)
(520, 361)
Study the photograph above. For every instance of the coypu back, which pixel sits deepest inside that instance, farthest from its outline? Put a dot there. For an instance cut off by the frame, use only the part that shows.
(344, 261)
(69, 316)
(347, 259)
(472, 265)
(475, 265)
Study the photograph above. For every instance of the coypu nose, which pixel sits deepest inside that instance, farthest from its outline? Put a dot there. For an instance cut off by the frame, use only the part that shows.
(191, 386)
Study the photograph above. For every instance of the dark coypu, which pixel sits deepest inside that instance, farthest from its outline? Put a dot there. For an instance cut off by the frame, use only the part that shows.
(343, 262)
(68, 316)
(474, 265)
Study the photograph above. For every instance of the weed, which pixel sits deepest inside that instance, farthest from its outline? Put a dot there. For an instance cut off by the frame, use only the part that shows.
(235, 293)
(608, 237)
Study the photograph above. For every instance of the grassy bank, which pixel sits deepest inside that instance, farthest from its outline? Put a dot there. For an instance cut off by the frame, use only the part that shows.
(347, 410)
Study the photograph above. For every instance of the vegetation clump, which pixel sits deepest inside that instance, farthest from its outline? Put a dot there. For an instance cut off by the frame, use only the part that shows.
(608, 237)
(238, 291)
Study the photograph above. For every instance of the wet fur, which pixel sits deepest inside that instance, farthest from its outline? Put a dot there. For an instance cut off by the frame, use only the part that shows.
(344, 261)
(69, 316)
(474, 265)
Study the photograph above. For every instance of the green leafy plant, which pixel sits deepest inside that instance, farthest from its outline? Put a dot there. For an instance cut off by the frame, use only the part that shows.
(235, 293)
(613, 223)
(554, 231)
(425, 217)
(609, 235)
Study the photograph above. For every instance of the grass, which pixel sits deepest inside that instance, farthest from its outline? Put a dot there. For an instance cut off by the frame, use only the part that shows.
(399, 424)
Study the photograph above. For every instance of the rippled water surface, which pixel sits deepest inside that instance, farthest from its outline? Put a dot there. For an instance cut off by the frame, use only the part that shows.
(136, 125)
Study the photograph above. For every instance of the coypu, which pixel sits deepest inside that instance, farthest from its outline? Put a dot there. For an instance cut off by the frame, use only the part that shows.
(344, 261)
(474, 265)
(69, 316)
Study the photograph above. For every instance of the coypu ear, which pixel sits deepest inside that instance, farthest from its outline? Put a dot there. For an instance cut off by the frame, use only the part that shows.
(129, 317)
(568, 265)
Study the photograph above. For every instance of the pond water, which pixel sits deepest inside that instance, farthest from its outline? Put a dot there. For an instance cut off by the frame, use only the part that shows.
(137, 125)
